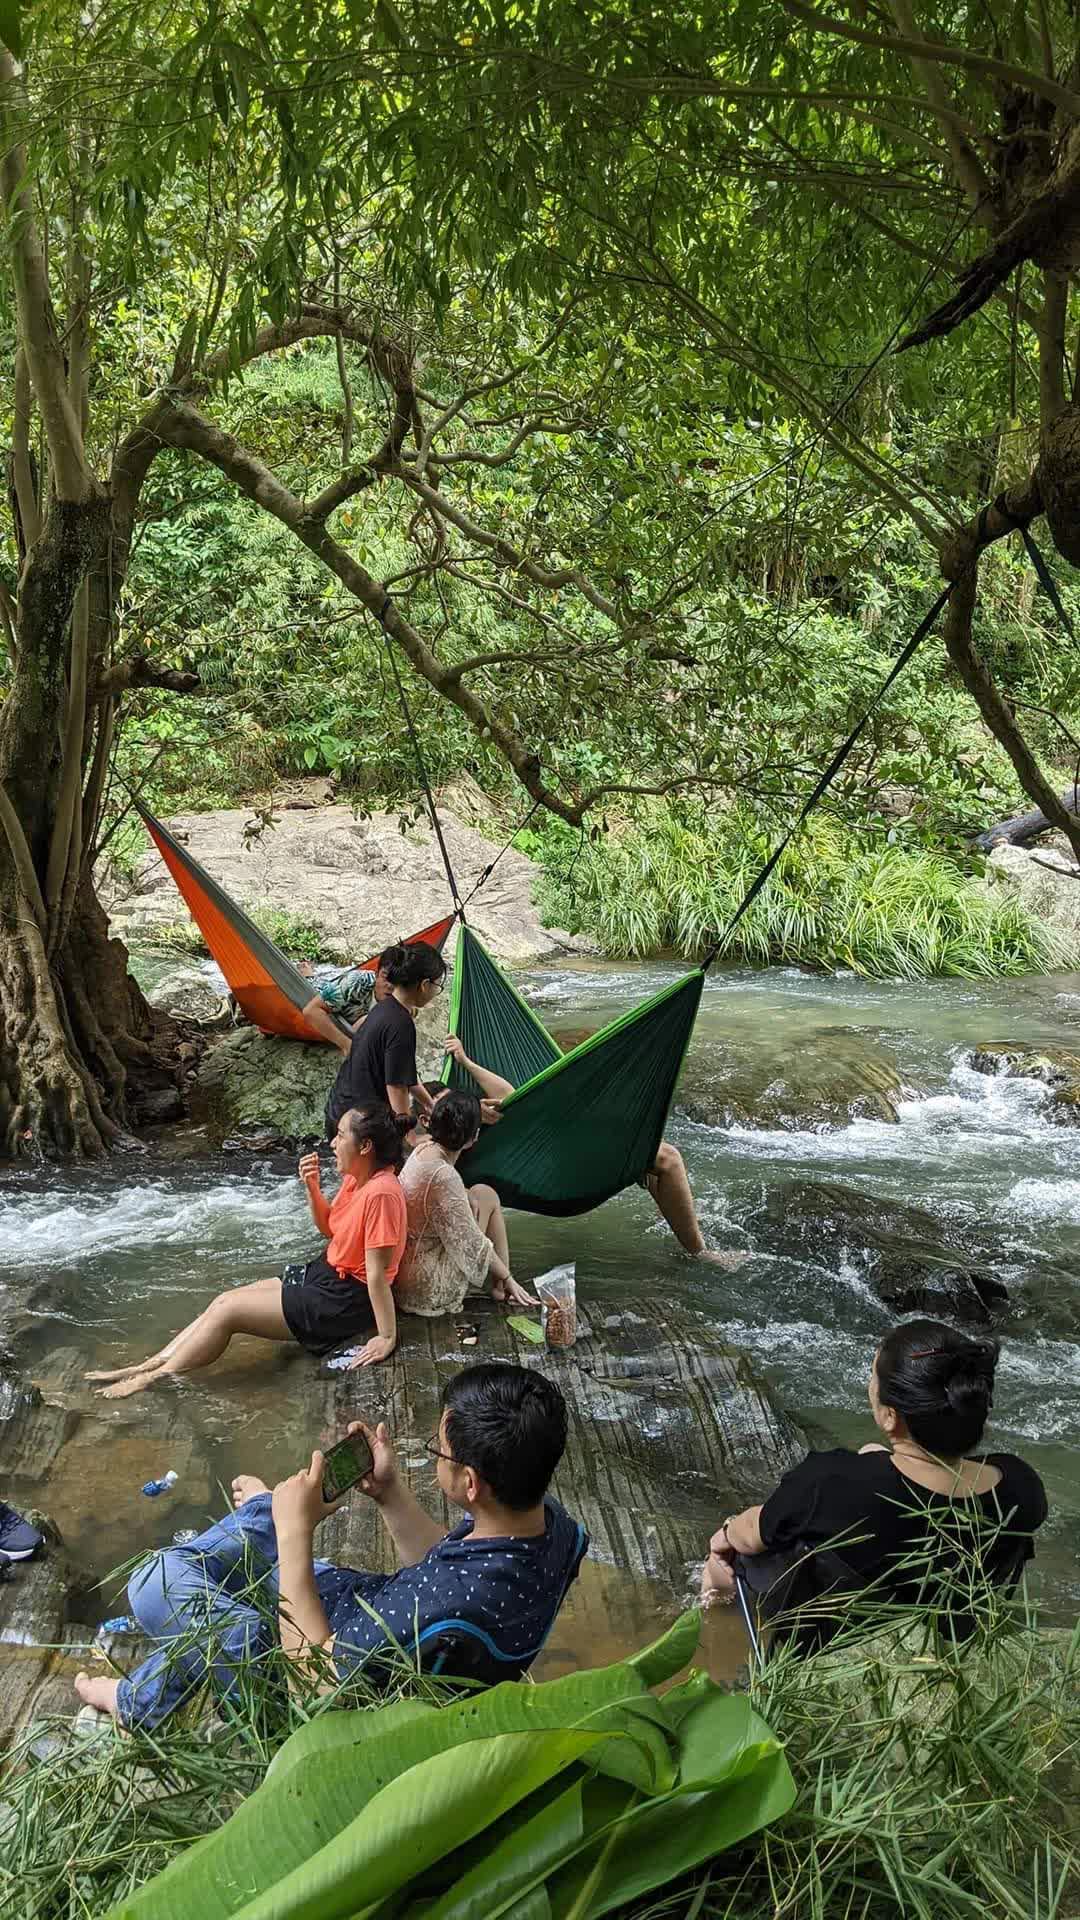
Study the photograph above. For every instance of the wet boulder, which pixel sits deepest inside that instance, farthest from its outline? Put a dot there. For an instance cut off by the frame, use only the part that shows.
(906, 1257)
(271, 1092)
(834, 1075)
(1053, 1067)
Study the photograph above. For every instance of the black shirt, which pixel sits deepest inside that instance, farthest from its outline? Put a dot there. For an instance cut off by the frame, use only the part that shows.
(383, 1053)
(894, 1533)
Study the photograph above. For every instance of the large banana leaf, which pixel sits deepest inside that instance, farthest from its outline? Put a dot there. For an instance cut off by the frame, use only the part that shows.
(599, 1843)
(413, 1821)
(327, 1772)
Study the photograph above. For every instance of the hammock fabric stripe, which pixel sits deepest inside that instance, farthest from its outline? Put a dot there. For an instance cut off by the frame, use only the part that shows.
(587, 1123)
(271, 992)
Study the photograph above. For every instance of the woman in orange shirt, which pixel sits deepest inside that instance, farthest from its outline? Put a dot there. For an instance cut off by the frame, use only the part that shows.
(332, 1298)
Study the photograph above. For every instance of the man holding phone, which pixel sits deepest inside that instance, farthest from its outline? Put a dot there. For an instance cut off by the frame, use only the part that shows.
(477, 1601)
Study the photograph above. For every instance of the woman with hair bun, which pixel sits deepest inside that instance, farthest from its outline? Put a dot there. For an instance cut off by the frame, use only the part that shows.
(902, 1513)
(456, 1241)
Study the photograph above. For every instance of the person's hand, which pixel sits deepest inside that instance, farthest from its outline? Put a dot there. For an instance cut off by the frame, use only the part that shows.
(454, 1048)
(309, 1169)
(491, 1112)
(383, 1476)
(297, 1503)
(510, 1291)
(379, 1347)
(718, 1573)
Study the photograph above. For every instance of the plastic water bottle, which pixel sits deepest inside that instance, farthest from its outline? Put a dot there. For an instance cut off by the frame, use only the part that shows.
(121, 1623)
(185, 1536)
(154, 1487)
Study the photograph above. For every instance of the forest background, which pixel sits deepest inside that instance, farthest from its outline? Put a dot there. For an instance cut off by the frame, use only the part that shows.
(547, 353)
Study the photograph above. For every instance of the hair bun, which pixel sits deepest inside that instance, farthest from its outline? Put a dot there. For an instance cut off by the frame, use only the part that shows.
(969, 1389)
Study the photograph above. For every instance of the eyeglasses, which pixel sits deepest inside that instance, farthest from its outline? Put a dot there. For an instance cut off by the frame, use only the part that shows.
(432, 1446)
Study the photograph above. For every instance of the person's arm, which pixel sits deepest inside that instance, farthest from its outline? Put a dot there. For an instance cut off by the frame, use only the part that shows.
(298, 1506)
(491, 1084)
(318, 1015)
(399, 1099)
(739, 1535)
(382, 1344)
(412, 1531)
(317, 1201)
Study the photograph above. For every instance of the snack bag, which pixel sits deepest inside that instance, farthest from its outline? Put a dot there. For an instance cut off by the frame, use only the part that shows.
(558, 1295)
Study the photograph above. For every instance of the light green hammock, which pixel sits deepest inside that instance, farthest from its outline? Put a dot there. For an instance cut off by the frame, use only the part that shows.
(579, 1126)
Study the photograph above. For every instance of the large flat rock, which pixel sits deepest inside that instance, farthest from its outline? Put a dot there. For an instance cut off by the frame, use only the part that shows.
(364, 881)
(669, 1430)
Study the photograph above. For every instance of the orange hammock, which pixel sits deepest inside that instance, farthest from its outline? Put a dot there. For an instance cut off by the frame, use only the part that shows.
(270, 991)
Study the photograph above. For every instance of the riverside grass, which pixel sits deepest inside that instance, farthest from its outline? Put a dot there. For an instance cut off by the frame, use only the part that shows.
(933, 1781)
(886, 912)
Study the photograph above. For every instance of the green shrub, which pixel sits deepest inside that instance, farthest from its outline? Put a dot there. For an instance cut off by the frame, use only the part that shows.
(664, 884)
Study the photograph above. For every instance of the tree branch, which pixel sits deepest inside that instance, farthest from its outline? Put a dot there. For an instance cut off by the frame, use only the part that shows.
(942, 52)
(137, 670)
(183, 426)
(10, 620)
(552, 578)
(71, 475)
(1014, 508)
(1051, 335)
(26, 498)
(23, 859)
(969, 170)
(997, 715)
(340, 490)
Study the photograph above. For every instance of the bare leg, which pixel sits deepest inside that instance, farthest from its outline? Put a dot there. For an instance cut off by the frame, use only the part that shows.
(255, 1309)
(488, 1213)
(100, 1693)
(157, 1359)
(670, 1187)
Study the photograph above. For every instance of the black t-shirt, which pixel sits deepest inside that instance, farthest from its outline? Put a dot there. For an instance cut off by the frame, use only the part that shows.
(383, 1053)
(894, 1533)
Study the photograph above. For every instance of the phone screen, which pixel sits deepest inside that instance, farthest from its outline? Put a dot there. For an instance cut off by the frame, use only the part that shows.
(344, 1465)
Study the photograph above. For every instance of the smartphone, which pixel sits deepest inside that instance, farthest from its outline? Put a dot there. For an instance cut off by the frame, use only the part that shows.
(344, 1465)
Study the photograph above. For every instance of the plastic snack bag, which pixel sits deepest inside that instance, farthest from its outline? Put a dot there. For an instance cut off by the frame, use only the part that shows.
(558, 1295)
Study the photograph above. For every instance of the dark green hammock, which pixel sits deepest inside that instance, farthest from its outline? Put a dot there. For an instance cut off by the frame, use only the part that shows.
(580, 1126)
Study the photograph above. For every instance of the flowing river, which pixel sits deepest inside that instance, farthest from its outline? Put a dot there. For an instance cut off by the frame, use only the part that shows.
(108, 1261)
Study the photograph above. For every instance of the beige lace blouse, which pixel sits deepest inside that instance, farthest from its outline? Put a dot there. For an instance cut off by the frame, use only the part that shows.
(446, 1254)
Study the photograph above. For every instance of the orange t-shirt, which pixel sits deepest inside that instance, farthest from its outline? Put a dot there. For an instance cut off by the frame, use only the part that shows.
(374, 1215)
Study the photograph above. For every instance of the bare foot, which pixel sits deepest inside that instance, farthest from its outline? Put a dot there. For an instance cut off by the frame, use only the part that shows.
(121, 1373)
(136, 1383)
(97, 1693)
(245, 1487)
(728, 1258)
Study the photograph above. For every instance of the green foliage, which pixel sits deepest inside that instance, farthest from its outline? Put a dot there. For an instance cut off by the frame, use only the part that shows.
(299, 938)
(666, 883)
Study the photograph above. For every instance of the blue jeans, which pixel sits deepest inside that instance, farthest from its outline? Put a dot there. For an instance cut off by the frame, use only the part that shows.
(213, 1605)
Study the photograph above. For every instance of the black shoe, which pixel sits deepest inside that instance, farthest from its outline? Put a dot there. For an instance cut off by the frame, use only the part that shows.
(18, 1539)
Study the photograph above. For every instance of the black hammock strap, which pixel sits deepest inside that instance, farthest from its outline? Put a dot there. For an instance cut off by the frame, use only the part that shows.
(492, 864)
(829, 774)
(459, 904)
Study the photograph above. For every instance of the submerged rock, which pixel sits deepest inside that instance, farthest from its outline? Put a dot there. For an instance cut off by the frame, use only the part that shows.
(1053, 1067)
(906, 1256)
(265, 1092)
(835, 1075)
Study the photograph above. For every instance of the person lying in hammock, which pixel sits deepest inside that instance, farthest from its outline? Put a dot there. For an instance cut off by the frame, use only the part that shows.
(667, 1180)
(349, 993)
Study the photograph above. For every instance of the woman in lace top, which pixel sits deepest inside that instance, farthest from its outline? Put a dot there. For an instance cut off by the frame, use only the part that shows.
(456, 1240)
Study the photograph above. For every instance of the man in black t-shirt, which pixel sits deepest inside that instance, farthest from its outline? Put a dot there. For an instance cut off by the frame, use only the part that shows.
(381, 1060)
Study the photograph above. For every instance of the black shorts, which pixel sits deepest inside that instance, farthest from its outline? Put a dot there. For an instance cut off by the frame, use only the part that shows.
(323, 1307)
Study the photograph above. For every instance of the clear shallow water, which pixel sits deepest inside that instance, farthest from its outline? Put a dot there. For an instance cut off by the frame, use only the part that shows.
(111, 1261)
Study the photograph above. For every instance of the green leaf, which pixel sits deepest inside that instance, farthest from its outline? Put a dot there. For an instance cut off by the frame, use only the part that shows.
(671, 1653)
(415, 1820)
(11, 26)
(329, 1770)
(528, 1329)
